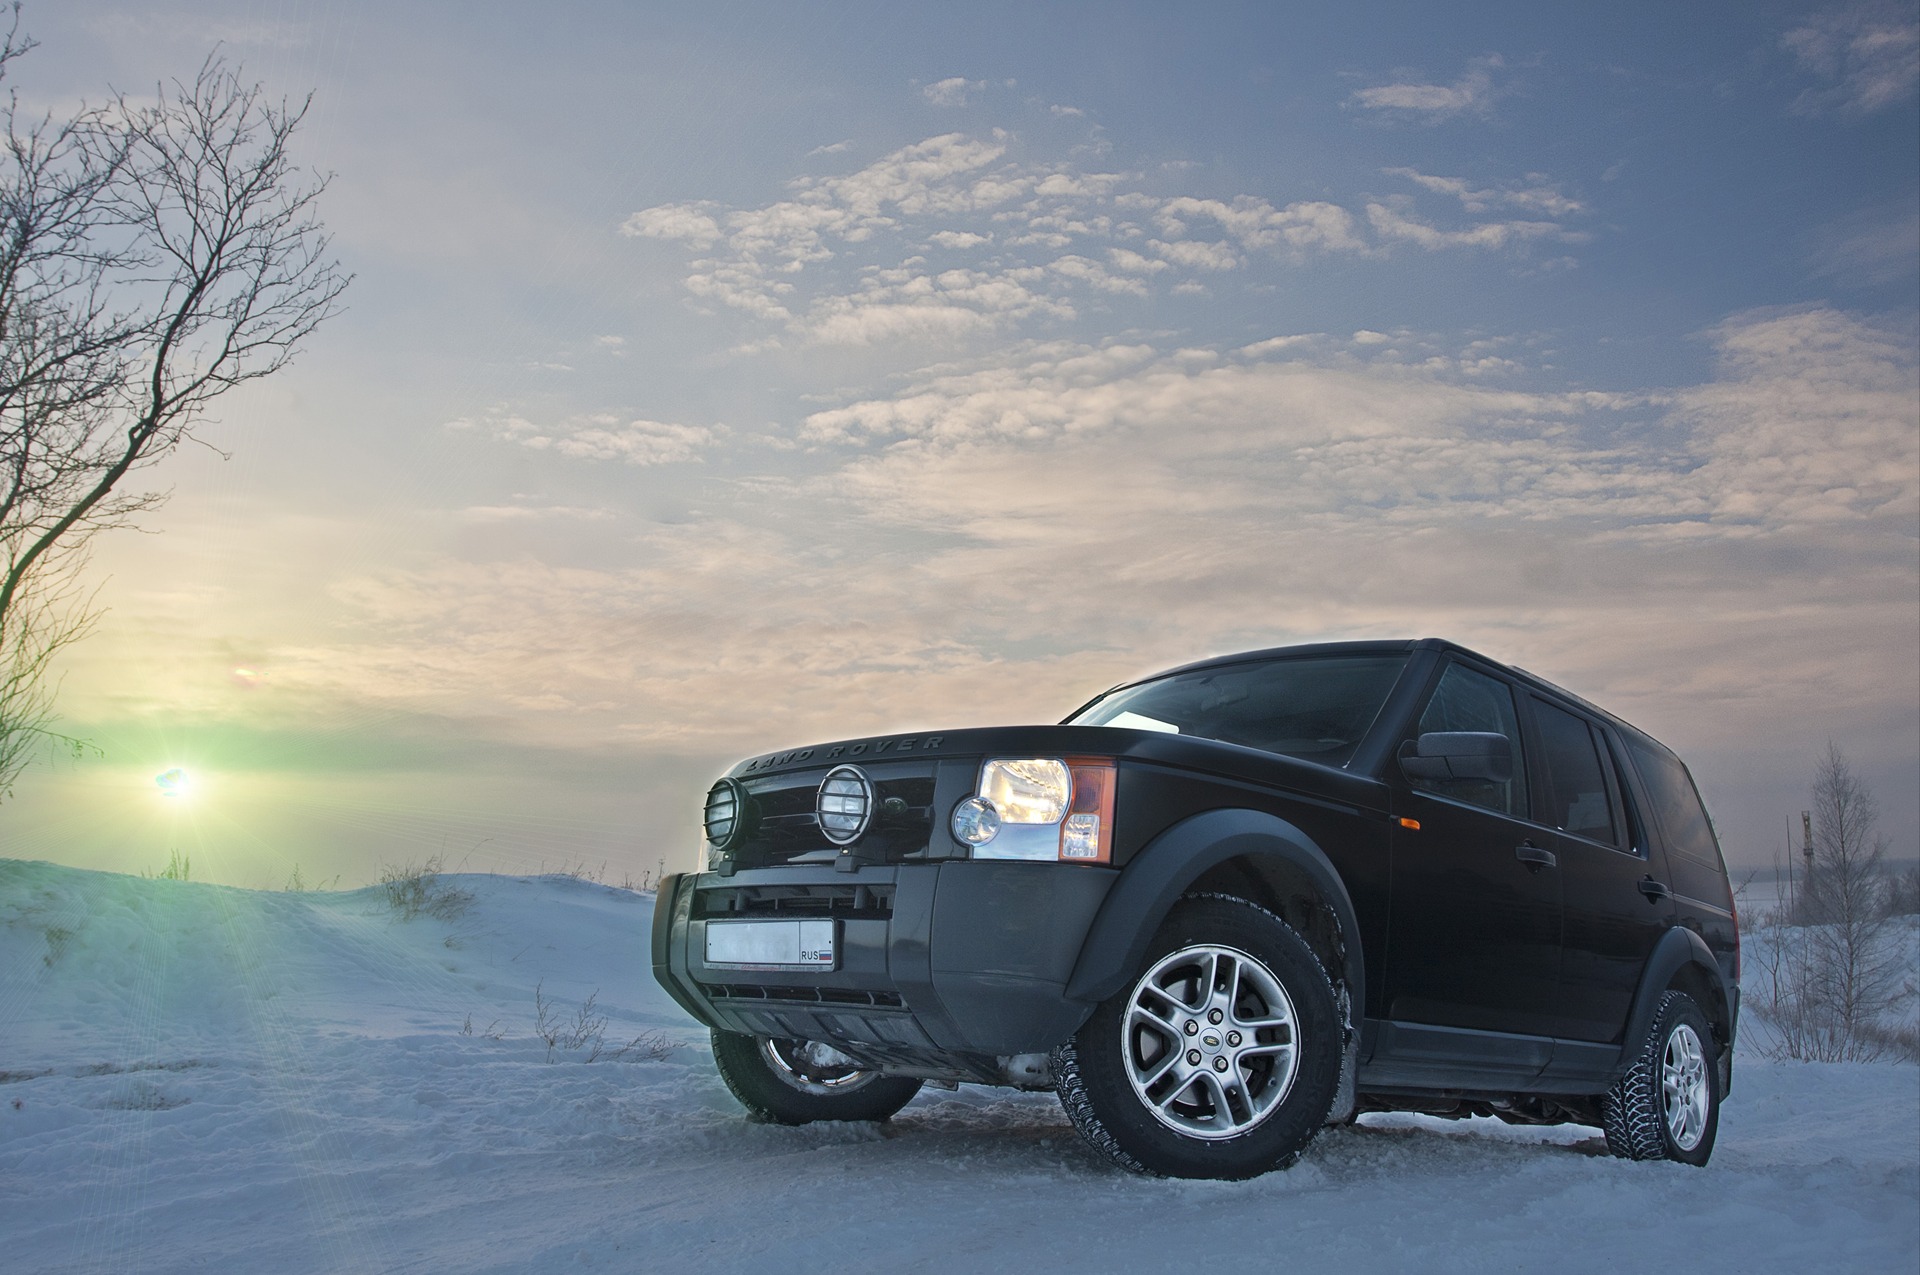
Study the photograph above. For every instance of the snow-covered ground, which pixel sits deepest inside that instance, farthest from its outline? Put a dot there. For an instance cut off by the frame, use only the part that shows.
(201, 1078)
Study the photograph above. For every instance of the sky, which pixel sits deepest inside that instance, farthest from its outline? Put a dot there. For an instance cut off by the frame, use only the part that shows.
(718, 378)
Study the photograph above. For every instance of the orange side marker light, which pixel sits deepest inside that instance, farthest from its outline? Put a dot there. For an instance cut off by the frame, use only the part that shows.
(1412, 825)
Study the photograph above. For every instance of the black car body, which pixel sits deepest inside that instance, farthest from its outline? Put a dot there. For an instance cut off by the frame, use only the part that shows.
(1499, 945)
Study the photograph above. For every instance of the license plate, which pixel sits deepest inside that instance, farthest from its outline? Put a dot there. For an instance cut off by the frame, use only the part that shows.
(770, 945)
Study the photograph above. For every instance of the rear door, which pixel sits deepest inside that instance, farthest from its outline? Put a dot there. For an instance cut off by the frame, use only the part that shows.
(1616, 907)
(1702, 895)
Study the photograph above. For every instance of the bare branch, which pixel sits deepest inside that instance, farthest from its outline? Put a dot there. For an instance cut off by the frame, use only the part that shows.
(151, 258)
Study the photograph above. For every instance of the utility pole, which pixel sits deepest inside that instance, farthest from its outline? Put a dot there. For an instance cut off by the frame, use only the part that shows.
(1806, 852)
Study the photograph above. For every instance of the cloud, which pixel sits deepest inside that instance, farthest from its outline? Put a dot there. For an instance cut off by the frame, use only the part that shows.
(1197, 255)
(1392, 221)
(639, 442)
(1875, 247)
(1302, 227)
(1811, 422)
(532, 513)
(689, 223)
(1125, 504)
(869, 257)
(1133, 263)
(955, 91)
(1808, 424)
(1538, 194)
(600, 437)
(1474, 93)
(1866, 55)
(1276, 344)
(1095, 275)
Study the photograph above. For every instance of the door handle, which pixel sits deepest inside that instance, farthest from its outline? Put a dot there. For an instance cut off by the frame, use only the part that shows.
(1654, 890)
(1534, 857)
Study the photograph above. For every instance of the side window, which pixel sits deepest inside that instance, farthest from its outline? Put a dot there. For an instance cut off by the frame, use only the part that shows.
(1638, 838)
(1675, 803)
(1466, 700)
(1578, 803)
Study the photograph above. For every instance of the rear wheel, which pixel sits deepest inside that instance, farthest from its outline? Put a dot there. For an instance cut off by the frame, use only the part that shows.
(799, 1081)
(1220, 1060)
(1667, 1106)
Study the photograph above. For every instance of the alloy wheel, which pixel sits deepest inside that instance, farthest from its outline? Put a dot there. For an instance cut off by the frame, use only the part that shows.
(1683, 1081)
(1210, 1042)
(812, 1067)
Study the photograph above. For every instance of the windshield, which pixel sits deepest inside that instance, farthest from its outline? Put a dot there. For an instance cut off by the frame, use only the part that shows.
(1315, 707)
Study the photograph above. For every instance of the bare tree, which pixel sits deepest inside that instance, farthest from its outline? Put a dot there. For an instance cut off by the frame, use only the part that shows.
(1826, 969)
(152, 257)
(1846, 895)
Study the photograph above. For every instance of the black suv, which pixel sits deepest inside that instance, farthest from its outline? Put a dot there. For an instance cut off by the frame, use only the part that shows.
(1223, 906)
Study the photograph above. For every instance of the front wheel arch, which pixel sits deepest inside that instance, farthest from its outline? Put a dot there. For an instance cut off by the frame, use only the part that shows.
(1203, 853)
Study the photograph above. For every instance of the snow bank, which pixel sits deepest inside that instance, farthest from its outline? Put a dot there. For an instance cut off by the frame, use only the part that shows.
(194, 1077)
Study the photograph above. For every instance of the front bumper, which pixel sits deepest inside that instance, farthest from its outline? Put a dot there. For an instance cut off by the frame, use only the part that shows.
(940, 968)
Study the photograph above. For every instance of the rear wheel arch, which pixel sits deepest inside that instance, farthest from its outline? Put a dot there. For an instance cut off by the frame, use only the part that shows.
(1701, 983)
(1681, 962)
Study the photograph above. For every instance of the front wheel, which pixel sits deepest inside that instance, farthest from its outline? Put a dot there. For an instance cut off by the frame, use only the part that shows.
(799, 1081)
(1220, 1060)
(1667, 1106)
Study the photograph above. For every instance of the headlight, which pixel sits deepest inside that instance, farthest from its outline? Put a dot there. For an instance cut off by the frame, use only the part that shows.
(1044, 809)
(1027, 791)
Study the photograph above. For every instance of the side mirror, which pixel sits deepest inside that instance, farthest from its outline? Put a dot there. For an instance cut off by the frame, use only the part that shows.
(1458, 754)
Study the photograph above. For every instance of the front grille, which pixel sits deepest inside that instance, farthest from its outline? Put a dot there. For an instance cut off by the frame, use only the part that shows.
(854, 902)
(780, 815)
(808, 995)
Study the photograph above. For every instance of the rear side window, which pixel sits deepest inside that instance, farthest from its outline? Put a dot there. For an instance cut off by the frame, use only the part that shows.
(1578, 802)
(1470, 701)
(1676, 804)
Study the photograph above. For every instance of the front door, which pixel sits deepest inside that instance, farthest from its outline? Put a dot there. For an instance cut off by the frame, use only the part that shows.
(1474, 930)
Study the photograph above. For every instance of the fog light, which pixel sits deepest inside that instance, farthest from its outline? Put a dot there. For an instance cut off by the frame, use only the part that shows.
(975, 821)
(725, 814)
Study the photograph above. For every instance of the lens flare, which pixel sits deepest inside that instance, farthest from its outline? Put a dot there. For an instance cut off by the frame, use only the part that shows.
(174, 782)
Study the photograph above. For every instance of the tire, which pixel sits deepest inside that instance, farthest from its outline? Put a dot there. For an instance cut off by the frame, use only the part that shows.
(776, 1082)
(1235, 987)
(1667, 1106)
